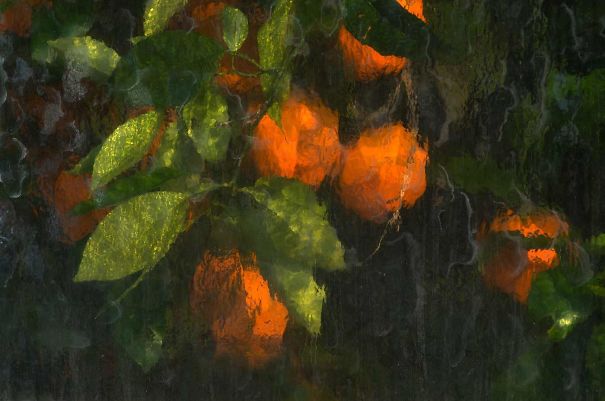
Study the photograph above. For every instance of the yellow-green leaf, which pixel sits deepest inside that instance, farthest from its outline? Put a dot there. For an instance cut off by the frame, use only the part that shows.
(207, 120)
(158, 13)
(235, 28)
(124, 147)
(134, 236)
(273, 55)
(90, 53)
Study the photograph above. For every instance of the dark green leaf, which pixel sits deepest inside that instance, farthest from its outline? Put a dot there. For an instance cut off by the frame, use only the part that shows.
(387, 27)
(125, 188)
(552, 296)
(142, 323)
(124, 147)
(86, 164)
(167, 69)
(61, 21)
(207, 120)
(595, 358)
(475, 176)
(134, 236)
(158, 13)
(235, 28)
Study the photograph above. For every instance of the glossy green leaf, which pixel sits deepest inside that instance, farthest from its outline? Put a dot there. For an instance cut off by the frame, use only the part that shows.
(553, 297)
(273, 55)
(158, 13)
(595, 358)
(124, 147)
(94, 55)
(134, 236)
(86, 163)
(235, 28)
(167, 69)
(207, 121)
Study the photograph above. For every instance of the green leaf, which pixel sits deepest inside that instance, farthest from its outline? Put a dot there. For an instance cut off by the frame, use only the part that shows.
(553, 296)
(167, 69)
(235, 28)
(274, 56)
(295, 204)
(94, 55)
(595, 358)
(64, 19)
(125, 188)
(207, 121)
(387, 27)
(475, 176)
(142, 323)
(288, 231)
(134, 236)
(158, 13)
(124, 147)
(86, 163)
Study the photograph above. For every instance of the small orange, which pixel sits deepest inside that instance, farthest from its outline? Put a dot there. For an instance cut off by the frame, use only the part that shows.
(382, 172)
(306, 147)
(246, 320)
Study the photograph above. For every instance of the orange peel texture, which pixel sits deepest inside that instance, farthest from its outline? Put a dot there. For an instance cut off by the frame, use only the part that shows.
(363, 61)
(382, 172)
(246, 320)
(512, 269)
(69, 190)
(306, 147)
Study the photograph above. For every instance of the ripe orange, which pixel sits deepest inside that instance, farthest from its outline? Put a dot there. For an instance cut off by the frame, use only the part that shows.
(382, 172)
(306, 147)
(246, 320)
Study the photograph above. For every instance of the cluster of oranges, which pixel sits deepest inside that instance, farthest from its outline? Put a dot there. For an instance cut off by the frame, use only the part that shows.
(512, 267)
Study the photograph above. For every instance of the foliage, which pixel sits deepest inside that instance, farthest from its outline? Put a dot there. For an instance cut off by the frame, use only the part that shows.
(134, 236)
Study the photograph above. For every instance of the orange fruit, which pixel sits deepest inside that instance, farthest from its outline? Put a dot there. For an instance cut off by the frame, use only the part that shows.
(365, 62)
(69, 190)
(17, 19)
(512, 268)
(382, 172)
(306, 147)
(246, 320)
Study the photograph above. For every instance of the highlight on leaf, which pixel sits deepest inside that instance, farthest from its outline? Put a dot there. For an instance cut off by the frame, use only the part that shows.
(247, 320)
(306, 147)
(507, 265)
(134, 236)
(95, 56)
(382, 172)
(207, 119)
(124, 147)
(158, 13)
